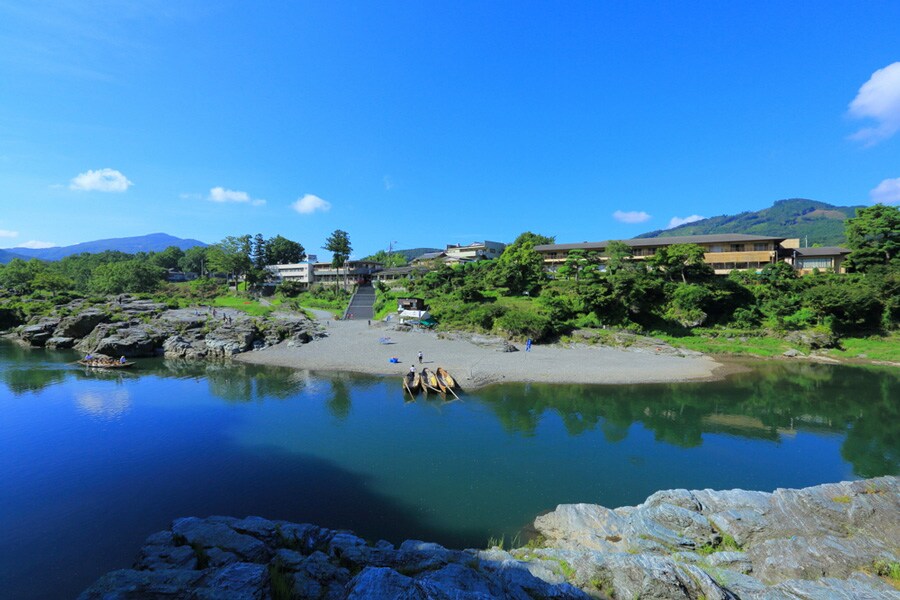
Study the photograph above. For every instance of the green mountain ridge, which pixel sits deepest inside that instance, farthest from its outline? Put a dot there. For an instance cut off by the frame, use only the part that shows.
(812, 221)
(154, 242)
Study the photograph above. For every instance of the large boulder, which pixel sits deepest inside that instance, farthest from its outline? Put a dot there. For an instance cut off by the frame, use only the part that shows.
(38, 333)
(122, 340)
(80, 325)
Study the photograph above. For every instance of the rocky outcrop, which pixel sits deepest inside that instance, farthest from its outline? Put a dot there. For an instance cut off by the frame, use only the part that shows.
(138, 328)
(37, 333)
(81, 324)
(824, 542)
(254, 558)
(819, 542)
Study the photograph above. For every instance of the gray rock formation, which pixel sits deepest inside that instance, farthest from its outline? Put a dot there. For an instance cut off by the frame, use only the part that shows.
(254, 558)
(37, 333)
(818, 543)
(138, 328)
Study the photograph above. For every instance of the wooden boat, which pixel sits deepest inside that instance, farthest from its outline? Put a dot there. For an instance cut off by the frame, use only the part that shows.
(447, 381)
(430, 381)
(412, 382)
(102, 364)
(446, 378)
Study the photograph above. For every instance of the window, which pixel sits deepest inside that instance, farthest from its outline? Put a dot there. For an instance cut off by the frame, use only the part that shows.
(760, 247)
(717, 248)
(815, 263)
(737, 247)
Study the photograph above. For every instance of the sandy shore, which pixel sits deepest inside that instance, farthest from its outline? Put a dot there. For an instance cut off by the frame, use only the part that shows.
(355, 346)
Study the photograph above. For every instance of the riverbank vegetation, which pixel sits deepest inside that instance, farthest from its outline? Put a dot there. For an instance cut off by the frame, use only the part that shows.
(674, 295)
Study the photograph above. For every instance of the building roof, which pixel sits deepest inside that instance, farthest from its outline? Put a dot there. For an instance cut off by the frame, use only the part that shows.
(717, 238)
(429, 256)
(822, 251)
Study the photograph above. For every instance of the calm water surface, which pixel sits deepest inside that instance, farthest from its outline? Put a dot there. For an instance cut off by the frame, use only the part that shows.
(93, 462)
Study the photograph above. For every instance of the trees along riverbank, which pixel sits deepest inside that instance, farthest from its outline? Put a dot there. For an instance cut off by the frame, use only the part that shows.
(676, 296)
(672, 295)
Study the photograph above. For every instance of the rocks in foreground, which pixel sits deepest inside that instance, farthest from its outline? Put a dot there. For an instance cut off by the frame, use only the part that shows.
(818, 542)
(254, 558)
(822, 542)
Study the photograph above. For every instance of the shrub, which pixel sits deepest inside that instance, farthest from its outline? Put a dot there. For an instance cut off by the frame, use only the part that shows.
(518, 323)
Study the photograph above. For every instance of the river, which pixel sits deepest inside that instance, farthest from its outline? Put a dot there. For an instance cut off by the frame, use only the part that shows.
(91, 462)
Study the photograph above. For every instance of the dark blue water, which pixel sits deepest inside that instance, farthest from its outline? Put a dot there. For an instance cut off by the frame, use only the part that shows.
(93, 462)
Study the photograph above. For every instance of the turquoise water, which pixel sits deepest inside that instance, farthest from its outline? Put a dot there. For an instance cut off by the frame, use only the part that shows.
(93, 462)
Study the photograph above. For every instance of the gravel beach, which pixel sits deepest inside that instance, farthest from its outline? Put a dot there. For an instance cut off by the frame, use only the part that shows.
(477, 361)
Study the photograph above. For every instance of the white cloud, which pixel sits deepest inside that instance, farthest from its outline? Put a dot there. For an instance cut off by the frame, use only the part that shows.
(631, 216)
(187, 196)
(878, 99)
(101, 180)
(676, 221)
(8, 233)
(309, 204)
(220, 194)
(34, 244)
(388, 183)
(887, 192)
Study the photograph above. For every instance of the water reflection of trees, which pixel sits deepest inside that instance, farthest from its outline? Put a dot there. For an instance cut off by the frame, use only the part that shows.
(23, 380)
(232, 381)
(765, 403)
(25, 370)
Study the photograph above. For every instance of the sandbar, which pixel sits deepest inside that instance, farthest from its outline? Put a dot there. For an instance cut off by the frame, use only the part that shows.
(476, 361)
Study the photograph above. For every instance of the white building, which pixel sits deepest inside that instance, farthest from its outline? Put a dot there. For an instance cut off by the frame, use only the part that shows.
(475, 250)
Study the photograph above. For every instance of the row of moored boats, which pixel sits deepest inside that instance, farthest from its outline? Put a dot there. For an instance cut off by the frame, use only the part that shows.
(438, 381)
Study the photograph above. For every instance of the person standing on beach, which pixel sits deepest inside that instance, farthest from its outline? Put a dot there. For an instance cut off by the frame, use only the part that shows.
(412, 369)
(420, 357)
(528, 345)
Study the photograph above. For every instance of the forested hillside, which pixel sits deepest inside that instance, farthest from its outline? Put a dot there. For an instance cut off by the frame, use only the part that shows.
(812, 221)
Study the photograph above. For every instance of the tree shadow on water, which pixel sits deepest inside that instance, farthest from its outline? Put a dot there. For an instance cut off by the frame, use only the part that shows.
(101, 528)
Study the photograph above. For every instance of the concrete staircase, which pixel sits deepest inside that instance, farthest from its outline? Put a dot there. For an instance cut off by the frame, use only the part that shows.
(362, 302)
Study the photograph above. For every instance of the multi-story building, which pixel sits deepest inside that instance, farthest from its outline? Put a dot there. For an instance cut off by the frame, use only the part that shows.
(475, 250)
(308, 273)
(723, 252)
(353, 272)
(299, 272)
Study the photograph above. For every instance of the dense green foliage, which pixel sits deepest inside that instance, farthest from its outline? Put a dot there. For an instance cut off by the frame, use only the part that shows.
(34, 287)
(874, 238)
(388, 259)
(671, 293)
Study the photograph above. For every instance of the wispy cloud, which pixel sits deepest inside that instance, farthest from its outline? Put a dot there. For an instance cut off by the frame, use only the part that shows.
(309, 204)
(631, 216)
(190, 196)
(101, 180)
(6, 233)
(887, 192)
(220, 194)
(388, 183)
(878, 99)
(34, 244)
(676, 221)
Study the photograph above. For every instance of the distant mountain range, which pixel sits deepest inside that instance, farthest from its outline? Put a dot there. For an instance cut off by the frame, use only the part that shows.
(154, 242)
(812, 221)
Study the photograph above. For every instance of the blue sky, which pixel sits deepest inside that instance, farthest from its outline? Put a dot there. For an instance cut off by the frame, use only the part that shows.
(426, 123)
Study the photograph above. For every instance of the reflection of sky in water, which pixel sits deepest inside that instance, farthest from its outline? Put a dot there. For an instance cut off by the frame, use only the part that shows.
(104, 404)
